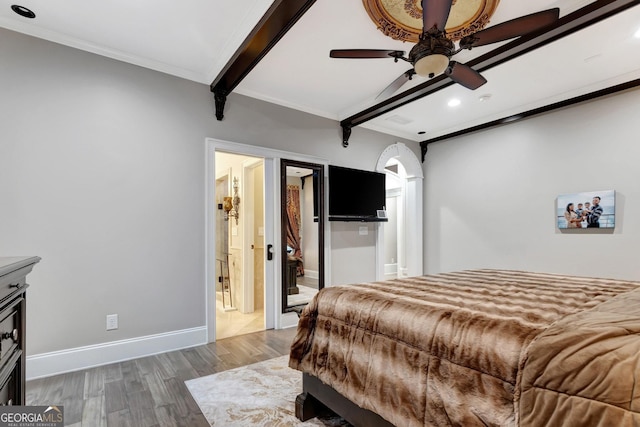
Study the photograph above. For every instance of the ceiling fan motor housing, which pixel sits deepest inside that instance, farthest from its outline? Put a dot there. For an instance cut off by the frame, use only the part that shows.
(430, 56)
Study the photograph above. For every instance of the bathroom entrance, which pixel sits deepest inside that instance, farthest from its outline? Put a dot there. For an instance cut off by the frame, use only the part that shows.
(239, 245)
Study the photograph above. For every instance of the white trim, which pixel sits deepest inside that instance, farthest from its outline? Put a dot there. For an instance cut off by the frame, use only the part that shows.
(257, 151)
(288, 320)
(311, 274)
(75, 359)
(271, 219)
(210, 236)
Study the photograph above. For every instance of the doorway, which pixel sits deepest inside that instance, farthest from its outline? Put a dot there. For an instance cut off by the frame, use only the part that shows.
(271, 231)
(404, 173)
(394, 229)
(239, 243)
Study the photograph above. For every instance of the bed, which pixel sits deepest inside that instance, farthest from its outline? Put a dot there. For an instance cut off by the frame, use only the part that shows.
(473, 348)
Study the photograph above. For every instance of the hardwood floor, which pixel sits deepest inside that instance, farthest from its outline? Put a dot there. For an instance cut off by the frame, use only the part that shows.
(150, 392)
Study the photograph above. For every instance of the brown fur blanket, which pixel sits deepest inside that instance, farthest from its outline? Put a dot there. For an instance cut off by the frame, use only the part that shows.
(479, 348)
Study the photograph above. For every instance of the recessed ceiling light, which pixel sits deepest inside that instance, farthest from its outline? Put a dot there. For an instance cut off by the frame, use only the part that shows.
(23, 11)
(454, 102)
(484, 97)
(637, 34)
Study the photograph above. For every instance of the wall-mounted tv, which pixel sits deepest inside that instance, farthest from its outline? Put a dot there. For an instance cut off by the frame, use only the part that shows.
(356, 195)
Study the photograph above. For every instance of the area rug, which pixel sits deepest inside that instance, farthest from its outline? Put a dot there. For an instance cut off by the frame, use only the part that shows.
(262, 395)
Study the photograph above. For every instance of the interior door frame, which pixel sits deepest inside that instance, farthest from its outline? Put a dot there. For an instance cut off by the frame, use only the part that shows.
(273, 300)
(212, 146)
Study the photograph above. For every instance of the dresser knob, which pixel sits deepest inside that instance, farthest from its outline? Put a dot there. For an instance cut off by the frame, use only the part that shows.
(13, 335)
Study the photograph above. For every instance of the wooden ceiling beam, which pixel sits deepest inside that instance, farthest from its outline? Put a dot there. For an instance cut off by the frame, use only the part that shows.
(280, 17)
(576, 21)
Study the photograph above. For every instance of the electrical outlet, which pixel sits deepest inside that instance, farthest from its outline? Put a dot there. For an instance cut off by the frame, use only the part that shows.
(112, 322)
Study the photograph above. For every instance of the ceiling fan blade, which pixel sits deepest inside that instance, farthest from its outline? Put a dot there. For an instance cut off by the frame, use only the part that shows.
(435, 14)
(396, 84)
(510, 29)
(365, 53)
(464, 75)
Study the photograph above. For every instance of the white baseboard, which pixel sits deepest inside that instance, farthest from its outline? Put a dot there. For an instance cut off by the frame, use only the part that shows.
(391, 269)
(311, 274)
(289, 320)
(74, 359)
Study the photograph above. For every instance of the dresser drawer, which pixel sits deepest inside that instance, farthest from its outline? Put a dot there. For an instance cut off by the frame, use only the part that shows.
(8, 390)
(13, 271)
(9, 328)
(10, 380)
(10, 283)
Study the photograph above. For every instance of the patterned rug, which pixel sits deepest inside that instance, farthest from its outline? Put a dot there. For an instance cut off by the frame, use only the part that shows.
(262, 394)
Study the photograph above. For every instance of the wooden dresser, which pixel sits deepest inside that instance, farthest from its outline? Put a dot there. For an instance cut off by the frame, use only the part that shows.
(13, 286)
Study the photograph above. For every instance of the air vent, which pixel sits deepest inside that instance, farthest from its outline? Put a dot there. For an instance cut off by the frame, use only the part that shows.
(399, 119)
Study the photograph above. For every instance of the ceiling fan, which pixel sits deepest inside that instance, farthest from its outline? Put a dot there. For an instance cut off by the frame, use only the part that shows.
(432, 54)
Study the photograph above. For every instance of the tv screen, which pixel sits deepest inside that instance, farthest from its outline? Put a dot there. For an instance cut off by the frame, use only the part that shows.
(356, 195)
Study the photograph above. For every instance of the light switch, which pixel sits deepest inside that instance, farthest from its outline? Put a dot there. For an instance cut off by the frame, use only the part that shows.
(364, 230)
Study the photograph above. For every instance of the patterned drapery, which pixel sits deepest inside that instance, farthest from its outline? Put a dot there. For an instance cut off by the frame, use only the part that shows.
(293, 225)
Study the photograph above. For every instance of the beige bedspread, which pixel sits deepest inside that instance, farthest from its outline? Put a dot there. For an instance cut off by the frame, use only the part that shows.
(482, 347)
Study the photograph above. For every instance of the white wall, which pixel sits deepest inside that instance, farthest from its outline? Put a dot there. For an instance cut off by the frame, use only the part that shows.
(102, 175)
(490, 196)
(350, 251)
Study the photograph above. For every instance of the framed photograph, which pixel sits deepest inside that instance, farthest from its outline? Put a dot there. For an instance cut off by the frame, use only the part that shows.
(591, 209)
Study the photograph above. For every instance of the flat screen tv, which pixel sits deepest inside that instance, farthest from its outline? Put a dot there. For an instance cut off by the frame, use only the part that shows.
(356, 195)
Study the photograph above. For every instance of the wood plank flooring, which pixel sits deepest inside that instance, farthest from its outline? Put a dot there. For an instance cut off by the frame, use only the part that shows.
(150, 391)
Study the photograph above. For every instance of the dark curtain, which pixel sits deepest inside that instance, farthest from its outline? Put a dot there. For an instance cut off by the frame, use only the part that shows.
(293, 225)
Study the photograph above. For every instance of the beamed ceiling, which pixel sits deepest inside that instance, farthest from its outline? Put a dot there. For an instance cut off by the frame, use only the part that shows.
(278, 51)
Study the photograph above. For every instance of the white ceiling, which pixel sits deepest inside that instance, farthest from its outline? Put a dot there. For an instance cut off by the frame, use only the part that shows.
(194, 39)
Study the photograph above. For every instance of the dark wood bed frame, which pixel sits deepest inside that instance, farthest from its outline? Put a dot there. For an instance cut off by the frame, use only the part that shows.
(316, 397)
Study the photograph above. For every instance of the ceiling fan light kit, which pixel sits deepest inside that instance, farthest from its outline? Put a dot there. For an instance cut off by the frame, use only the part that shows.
(431, 65)
(431, 55)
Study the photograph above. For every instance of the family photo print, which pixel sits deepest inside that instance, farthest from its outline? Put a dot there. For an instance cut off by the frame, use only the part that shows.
(591, 209)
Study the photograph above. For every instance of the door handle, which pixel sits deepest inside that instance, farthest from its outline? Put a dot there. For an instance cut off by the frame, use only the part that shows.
(269, 252)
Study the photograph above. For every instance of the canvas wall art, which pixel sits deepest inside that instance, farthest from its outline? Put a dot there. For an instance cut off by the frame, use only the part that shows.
(590, 209)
